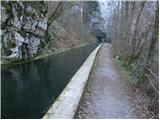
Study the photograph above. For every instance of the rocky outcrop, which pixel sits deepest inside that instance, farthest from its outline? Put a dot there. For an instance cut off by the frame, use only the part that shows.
(25, 34)
(23, 28)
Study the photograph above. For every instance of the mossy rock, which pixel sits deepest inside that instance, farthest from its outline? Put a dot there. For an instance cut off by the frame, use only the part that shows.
(11, 44)
(22, 33)
(3, 26)
(8, 8)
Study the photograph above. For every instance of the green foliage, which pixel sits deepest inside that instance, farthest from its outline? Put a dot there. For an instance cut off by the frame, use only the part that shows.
(3, 26)
(126, 71)
(6, 51)
(8, 8)
(11, 44)
(48, 37)
(22, 33)
(137, 71)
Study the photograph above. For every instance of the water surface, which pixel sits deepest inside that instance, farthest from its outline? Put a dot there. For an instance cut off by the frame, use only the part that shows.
(29, 89)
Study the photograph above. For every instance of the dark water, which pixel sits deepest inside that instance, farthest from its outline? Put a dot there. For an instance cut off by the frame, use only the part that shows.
(29, 89)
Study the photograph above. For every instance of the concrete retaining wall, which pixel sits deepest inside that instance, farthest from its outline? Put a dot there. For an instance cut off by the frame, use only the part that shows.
(66, 104)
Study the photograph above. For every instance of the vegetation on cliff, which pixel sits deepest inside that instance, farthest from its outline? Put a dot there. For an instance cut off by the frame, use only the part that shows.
(30, 29)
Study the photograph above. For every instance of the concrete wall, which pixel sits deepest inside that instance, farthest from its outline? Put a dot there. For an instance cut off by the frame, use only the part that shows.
(66, 104)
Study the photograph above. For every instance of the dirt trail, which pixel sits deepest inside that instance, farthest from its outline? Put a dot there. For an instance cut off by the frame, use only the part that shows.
(107, 94)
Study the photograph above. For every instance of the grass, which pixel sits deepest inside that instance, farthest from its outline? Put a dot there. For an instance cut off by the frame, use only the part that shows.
(124, 70)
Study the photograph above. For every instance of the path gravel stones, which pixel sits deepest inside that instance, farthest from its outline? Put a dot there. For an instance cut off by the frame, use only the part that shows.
(107, 95)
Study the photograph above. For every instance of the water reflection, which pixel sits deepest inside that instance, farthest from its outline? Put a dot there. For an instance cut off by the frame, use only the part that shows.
(29, 89)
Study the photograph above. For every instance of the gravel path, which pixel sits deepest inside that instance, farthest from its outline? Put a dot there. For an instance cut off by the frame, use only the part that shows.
(106, 95)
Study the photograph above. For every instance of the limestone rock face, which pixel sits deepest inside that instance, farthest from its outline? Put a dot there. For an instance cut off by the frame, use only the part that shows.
(23, 28)
(4, 16)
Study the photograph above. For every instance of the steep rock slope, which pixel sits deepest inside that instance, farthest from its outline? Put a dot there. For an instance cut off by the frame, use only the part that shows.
(23, 28)
(25, 34)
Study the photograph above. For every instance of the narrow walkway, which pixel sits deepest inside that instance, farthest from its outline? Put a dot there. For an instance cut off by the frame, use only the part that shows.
(107, 95)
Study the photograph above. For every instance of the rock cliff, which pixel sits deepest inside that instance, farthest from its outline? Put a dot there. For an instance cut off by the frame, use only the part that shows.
(23, 28)
(25, 34)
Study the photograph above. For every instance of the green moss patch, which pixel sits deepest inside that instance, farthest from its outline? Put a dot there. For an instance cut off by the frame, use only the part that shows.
(124, 70)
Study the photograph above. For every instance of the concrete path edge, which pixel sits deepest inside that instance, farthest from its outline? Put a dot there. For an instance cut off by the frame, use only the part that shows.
(64, 107)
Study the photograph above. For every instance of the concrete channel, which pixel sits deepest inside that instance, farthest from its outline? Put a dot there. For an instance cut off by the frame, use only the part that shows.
(66, 104)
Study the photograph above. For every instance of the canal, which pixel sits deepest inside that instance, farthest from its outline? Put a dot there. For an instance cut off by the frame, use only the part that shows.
(29, 89)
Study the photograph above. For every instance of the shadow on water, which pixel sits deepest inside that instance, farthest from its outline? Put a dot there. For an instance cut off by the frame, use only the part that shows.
(29, 89)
